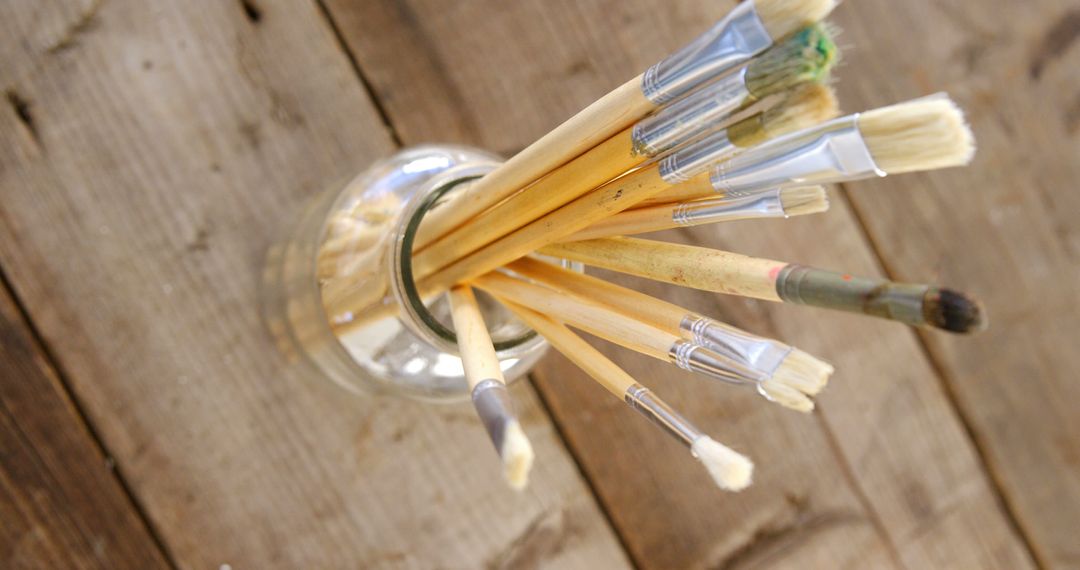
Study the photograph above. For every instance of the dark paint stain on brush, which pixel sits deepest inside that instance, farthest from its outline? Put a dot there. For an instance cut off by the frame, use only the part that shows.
(1057, 40)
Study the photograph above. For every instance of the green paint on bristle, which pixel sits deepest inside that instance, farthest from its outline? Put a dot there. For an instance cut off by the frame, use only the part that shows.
(806, 56)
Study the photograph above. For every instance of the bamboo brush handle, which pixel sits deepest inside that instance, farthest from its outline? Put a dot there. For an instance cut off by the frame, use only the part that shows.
(577, 350)
(582, 314)
(474, 342)
(656, 312)
(636, 221)
(687, 266)
(600, 164)
(696, 188)
(603, 118)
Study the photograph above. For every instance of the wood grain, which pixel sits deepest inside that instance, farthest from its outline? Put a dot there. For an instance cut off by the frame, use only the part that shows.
(1005, 228)
(150, 165)
(61, 504)
(884, 475)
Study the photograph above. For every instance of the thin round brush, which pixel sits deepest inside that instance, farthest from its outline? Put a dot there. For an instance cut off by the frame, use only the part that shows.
(732, 273)
(488, 388)
(749, 29)
(804, 57)
(729, 469)
(665, 331)
(777, 203)
(789, 375)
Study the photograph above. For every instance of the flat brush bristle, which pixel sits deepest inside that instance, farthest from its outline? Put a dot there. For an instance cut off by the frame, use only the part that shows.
(806, 56)
(803, 200)
(923, 134)
(806, 105)
(517, 455)
(729, 469)
(782, 17)
(798, 377)
(954, 311)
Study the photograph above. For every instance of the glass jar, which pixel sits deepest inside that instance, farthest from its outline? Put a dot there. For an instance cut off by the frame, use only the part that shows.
(356, 238)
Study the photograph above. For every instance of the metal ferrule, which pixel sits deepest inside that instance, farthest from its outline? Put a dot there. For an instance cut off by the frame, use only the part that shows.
(733, 40)
(763, 355)
(696, 358)
(895, 301)
(764, 205)
(690, 116)
(696, 157)
(495, 409)
(831, 152)
(645, 402)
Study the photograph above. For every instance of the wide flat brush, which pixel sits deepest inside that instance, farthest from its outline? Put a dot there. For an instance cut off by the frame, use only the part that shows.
(729, 469)
(488, 388)
(732, 273)
(749, 29)
(923, 134)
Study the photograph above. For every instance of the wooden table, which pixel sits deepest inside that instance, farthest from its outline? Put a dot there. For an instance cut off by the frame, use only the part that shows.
(152, 150)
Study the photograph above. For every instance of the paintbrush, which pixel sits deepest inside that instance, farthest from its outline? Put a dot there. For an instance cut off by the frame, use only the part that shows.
(749, 29)
(805, 105)
(729, 469)
(665, 331)
(487, 386)
(775, 203)
(732, 273)
(923, 134)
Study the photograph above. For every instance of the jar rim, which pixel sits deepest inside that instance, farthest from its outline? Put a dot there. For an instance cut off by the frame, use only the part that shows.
(404, 235)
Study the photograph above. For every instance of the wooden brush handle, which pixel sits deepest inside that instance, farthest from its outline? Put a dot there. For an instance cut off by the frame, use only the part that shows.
(577, 350)
(603, 118)
(696, 188)
(656, 312)
(688, 266)
(588, 316)
(600, 164)
(474, 342)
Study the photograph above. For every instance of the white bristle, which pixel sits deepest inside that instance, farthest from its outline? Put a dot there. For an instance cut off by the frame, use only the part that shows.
(798, 377)
(782, 17)
(517, 455)
(786, 396)
(730, 469)
(803, 200)
(923, 134)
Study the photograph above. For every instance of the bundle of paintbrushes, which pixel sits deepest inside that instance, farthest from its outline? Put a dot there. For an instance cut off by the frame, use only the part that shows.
(741, 123)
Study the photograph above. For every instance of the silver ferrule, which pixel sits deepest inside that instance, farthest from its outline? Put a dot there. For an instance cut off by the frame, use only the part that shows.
(647, 404)
(831, 152)
(763, 355)
(733, 40)
(690, 116)
(903, 302)
(495, 409)
(766, 204)
(696, 358)
(696, 157)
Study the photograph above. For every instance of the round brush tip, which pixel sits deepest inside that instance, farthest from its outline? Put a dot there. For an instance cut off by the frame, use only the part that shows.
(957, 312)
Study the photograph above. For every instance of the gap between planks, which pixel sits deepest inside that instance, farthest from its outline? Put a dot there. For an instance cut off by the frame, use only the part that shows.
(42, 346)
(995, 483)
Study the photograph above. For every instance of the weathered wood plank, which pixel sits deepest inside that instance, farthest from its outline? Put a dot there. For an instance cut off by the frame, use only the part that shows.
(1005, 228)
(61, 505)
(149, 165)
(884, 473)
